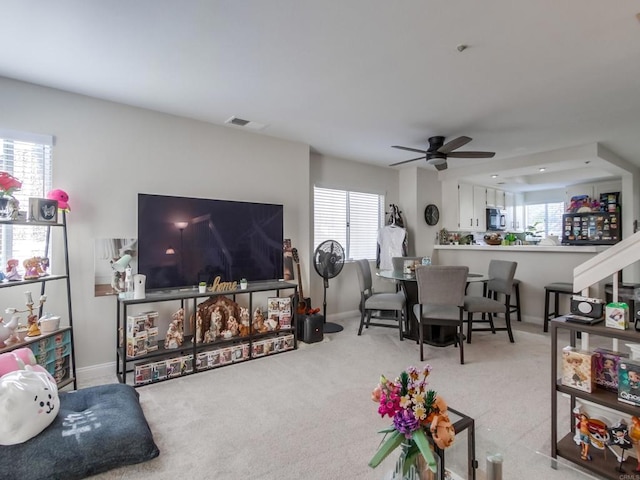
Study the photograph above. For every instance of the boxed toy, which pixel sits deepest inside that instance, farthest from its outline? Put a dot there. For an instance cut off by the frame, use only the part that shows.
(617, 315)
(136, 335)
(629, 382)
(578, 369)
(607, 362)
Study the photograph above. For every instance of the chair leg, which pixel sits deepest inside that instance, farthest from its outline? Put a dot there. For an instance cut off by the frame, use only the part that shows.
(420, 340)
(508, 320)
(491, 324)
(461, 337)
(546, 310)
(469, 322)
(362, 314)
(368, 319)
(400, 315)
(519, 309)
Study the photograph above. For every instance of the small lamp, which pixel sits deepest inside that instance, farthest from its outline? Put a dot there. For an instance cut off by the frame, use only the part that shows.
(122, 264)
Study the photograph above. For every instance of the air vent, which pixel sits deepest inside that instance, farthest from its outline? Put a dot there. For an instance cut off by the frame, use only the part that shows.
(241, 122)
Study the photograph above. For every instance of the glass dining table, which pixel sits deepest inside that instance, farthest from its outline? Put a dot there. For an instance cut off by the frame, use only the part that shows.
(436, 335)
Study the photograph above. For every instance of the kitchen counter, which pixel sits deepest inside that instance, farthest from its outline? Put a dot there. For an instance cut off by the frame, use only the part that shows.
(537, 266)
(528, 248)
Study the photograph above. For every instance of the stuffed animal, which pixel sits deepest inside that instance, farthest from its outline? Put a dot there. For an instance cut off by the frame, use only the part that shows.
(29, 399)
(62, 198)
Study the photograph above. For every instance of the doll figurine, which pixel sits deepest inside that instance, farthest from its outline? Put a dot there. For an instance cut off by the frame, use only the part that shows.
(12, 270)
(634, 434)
(585, 436)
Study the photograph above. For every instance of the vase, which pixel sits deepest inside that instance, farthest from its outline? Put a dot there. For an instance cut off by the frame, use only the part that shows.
(419, 470)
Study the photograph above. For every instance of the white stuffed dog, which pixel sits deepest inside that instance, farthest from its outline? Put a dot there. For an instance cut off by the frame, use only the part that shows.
(28, 397)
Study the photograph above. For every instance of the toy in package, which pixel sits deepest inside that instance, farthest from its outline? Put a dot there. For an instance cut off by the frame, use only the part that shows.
(606, 368)
(617, 315)
(578, 369)
(629, 382)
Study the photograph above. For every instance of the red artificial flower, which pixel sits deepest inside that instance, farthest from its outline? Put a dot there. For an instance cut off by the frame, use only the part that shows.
(9, 183)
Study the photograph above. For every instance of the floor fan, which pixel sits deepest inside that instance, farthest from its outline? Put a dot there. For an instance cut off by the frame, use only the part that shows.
(328, 260)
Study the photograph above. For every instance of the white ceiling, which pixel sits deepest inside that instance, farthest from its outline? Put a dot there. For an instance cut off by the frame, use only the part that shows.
(353, 77)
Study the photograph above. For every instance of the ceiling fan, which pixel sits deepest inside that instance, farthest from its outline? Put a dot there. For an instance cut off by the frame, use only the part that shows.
(438, 152)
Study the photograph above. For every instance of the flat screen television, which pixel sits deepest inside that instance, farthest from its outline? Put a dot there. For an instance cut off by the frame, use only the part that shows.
(183, 241)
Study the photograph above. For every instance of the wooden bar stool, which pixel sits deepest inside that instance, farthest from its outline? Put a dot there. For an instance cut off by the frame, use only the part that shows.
(557, 289)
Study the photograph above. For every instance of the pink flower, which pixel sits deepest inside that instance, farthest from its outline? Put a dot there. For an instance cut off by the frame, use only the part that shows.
(9, 183)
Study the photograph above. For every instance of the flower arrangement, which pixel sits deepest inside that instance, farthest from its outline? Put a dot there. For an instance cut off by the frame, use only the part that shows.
(417, 412)
(8, 184)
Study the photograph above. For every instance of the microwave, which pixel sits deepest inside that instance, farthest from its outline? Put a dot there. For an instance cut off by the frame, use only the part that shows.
(496, 220)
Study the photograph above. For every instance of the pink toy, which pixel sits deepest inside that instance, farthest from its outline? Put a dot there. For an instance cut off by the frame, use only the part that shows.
(62, 198)
(18, 359)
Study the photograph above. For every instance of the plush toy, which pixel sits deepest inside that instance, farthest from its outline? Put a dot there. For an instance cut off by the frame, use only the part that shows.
(62, 198)
(28, 397)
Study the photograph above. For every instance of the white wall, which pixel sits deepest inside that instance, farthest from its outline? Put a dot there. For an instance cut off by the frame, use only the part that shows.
(343, 294)
(106, 153)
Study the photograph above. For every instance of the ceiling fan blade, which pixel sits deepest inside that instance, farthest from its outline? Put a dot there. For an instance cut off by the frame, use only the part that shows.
(441, 166)
(471, 154)
(454, 144)
(406, 161)
(409, 149)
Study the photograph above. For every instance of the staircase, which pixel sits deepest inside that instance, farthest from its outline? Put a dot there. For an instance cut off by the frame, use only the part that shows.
(607, 263)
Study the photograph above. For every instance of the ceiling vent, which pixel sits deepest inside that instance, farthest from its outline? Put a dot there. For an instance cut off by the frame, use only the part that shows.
(242, 123)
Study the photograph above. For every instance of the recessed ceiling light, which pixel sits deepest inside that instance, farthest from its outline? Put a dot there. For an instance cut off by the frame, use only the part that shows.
(494, 176)
(542, 169)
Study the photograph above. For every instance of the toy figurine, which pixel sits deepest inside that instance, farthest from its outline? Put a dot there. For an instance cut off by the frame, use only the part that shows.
(175, 335)
(7, 330)
(12, 270)
(634, 434)
(258, 321)
(585, 436)
(31, 266)
(619, 437)
(62, 198)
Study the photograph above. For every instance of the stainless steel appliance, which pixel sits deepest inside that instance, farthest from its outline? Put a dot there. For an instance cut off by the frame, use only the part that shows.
(591, 228)
(496, 220)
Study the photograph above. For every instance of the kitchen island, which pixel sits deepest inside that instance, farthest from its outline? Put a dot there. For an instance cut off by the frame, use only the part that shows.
(537, 267)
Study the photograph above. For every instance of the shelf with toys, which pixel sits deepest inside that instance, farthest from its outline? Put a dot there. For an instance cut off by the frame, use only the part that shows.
(208, 330)
(602, 429)
(51, 343)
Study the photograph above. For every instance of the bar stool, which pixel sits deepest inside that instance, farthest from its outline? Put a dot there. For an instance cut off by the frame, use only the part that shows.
(514, 307)
(557, 289)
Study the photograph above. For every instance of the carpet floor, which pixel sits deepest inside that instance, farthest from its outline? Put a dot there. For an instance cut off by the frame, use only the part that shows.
(308, 413)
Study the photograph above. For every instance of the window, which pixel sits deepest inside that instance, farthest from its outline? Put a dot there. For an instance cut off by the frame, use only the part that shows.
(548, 216)
(351, 218)
(28, 158)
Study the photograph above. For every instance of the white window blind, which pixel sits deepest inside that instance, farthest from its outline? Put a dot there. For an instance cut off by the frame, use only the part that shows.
(548, 216)
(351, 218)
(28, 158)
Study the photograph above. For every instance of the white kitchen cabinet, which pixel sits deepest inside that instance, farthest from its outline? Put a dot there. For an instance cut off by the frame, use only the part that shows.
(472, 202)
(491, 198)
(500, 201)
(510, 210)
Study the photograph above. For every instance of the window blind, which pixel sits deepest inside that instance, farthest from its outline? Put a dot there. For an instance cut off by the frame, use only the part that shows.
(28, 158)
(351, 218)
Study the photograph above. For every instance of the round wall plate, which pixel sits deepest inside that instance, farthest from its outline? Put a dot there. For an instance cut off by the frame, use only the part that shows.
(431, 214)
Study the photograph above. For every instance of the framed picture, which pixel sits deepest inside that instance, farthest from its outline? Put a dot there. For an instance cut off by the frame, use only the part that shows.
(43, 210)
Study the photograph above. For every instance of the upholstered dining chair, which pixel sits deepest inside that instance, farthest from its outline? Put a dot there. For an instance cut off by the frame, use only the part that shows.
(371, 301)
(440, 300)
(501, 274)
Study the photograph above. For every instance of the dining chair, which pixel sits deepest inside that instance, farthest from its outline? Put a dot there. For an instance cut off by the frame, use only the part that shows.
(371, 301)
(501, 275)
(440, 300)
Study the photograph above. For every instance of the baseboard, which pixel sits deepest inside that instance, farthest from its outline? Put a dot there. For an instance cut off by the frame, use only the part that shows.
(87, 374)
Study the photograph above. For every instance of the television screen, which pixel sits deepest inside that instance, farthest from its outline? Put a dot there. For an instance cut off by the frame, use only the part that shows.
(184, 241)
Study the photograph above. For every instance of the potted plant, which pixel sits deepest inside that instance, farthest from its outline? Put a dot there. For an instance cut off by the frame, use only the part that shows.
(243, 284)
(533, 233)
(202, 287)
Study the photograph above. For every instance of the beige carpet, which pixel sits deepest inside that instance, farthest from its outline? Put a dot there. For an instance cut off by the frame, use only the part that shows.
(307, 414)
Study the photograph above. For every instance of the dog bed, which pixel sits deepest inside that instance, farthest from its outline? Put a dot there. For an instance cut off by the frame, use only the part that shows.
(96, 429)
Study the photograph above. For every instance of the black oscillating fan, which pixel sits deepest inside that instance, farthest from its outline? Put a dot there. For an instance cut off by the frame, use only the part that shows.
(328, 260)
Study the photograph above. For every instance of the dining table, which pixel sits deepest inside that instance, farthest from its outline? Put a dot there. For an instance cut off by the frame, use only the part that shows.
(435, 335)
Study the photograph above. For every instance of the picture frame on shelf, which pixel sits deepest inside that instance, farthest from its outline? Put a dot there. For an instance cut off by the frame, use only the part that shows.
(43, 210)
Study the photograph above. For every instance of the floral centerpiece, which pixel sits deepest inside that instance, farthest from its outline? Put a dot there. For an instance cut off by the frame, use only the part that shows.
(418, 414)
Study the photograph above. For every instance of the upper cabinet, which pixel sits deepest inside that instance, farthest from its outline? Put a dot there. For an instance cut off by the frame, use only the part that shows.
(496, 198)
(472, 202)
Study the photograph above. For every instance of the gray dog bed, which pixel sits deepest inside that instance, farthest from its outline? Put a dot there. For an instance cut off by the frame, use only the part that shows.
(97, 429)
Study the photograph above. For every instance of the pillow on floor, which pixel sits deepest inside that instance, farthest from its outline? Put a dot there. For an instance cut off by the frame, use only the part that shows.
(97, 429)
